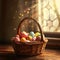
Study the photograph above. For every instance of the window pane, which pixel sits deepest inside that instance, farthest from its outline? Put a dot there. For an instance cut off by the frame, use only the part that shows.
(46, 12)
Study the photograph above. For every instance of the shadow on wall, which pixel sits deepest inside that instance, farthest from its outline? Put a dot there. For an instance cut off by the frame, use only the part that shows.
(8, 23)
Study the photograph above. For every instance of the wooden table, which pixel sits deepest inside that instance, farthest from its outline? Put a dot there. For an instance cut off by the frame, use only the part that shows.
(7, 53)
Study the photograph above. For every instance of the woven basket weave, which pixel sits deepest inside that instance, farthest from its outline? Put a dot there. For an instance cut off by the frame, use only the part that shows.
(30, 48)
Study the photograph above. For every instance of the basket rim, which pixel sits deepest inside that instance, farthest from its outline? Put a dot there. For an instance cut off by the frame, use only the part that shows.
(30, 43)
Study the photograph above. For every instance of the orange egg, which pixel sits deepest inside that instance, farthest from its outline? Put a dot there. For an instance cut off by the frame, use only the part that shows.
(29, 38)
(23, 39)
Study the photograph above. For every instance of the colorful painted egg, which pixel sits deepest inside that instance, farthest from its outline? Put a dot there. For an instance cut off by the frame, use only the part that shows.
(37, 34)
(31, 34)
(17, 40)
(29, 38)
(23, 34)
(34, 39)
(23, 39)
(38, 38)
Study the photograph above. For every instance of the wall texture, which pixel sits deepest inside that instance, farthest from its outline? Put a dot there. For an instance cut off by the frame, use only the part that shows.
(8, 22)
(0, 19)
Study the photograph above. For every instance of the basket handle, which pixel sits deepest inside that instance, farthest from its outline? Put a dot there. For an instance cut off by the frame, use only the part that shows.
(18, 30)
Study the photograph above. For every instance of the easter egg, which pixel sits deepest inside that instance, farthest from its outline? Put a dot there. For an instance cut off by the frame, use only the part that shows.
(17, 40)
(38, 38)
(23, 34)
(29, 38)
(34, 38)
(32, 33)
(23, 39)
(37, 34)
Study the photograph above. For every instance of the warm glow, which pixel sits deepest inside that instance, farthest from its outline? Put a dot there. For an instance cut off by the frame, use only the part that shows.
(48, 12)
(51, 3)
(58, 5)
(39, 11)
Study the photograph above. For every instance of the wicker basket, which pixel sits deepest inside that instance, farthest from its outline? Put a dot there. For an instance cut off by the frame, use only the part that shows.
(30, 48)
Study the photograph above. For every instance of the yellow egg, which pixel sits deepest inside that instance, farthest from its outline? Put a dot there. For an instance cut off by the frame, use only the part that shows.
(37, 34)
(29, 38)
(23, 39)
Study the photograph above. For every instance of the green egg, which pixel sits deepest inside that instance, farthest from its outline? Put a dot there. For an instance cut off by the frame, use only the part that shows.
(32, 33)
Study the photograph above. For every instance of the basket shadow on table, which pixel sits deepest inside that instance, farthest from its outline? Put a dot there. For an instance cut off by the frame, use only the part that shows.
(19, 57)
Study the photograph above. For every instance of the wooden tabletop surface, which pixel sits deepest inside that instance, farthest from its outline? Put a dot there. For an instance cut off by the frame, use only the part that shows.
(7, 53)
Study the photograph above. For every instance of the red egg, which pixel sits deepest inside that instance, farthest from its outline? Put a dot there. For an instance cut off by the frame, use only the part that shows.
(23, 34)
(38, 38)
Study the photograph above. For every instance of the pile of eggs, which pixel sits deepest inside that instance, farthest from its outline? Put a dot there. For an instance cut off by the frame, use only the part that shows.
(27, 37)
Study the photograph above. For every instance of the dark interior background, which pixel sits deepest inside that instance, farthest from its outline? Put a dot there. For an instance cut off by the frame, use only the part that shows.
(7, 23)
(0, 19)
